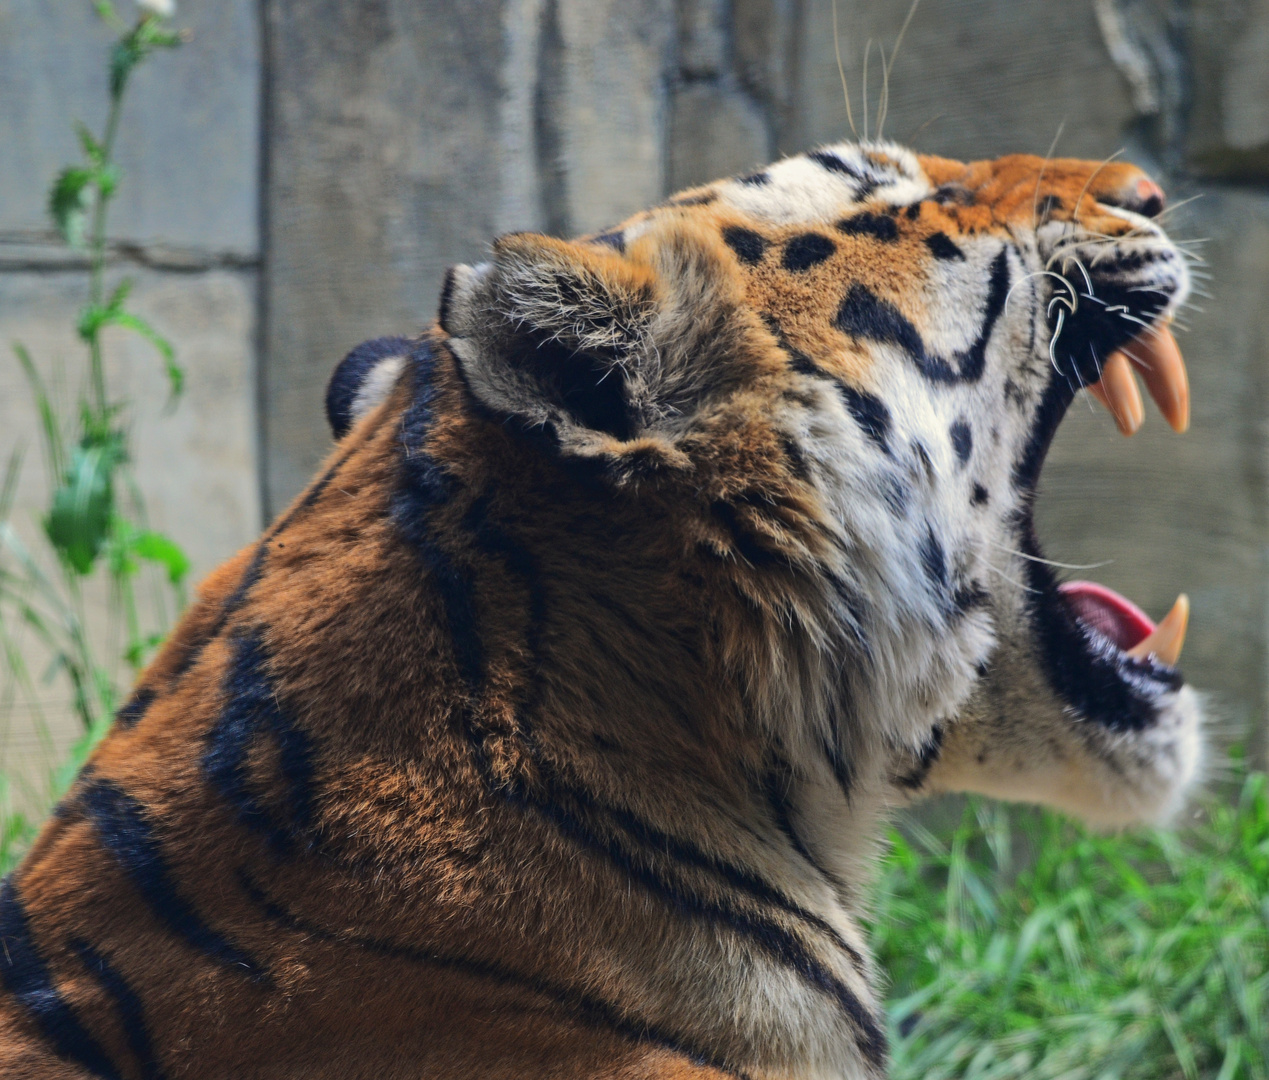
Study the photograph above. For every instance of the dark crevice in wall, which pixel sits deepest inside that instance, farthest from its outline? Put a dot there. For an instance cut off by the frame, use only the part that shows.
(724, 47)
(41, 252)
(267, 508)
(548, 108)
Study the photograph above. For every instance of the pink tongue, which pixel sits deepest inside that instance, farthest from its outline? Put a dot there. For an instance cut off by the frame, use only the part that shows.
(1107, 612)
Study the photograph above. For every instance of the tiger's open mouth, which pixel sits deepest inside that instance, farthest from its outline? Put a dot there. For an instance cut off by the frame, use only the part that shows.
(1104, 656)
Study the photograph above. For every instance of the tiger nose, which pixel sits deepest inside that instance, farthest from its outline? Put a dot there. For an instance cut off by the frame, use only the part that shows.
(1141, 196)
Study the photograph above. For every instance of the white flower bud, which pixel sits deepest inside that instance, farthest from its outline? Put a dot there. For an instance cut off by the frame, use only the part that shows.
(164, 9)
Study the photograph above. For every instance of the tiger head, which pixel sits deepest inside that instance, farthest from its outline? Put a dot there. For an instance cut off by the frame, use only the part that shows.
(836, 381)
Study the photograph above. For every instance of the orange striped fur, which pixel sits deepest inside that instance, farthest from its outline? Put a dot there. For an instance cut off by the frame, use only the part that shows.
(549, 733)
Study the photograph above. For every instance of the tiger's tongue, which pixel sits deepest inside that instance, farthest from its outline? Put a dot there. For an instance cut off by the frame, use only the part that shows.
(1120, 620)
(1112, 615)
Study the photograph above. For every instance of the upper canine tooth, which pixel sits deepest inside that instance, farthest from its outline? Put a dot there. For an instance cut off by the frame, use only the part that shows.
(1154, 353)
(1165, 641)
(1117, 390)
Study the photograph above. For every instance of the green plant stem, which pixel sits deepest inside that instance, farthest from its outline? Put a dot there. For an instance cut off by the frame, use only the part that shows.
(96, 287)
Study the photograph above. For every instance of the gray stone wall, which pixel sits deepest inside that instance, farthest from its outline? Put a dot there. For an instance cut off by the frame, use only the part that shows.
(396, 137)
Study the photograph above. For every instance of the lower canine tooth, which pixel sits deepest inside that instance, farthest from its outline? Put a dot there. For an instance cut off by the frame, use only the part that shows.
(1165, 642)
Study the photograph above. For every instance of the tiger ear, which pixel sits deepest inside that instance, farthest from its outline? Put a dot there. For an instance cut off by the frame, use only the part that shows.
(553, 333)
(362, 380)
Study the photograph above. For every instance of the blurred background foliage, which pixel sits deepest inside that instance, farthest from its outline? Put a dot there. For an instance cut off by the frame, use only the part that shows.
(93, 526)
(297, 179)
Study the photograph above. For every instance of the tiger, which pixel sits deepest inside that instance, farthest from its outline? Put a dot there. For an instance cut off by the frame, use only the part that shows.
(554, 729)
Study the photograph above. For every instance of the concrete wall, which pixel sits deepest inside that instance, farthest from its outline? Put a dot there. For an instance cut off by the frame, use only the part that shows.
(399, 136)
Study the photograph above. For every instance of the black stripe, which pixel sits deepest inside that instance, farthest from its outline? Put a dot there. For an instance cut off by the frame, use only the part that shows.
(135, 708)
(703, 199)
(583, 1007)
(856, 608)
(778, 942)
(252, 709)
(128, 835)
(232, 603)
(494, 541)
(422, 488)
(843, 770)
(447, 299)
(615, 239)
(748, 245)
(26, 976)
(131, 1011)
(868, 410)
(934, 560)
(863, 314)
(557, 793)
(962, 436)
(776, 786)
(807, 250)
(878, 226)
(929, 754)
(866, 183)
(745, 541)
(798, 360)
(943, 248)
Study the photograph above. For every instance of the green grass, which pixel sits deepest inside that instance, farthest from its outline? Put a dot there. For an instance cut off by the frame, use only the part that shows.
(1021, 946)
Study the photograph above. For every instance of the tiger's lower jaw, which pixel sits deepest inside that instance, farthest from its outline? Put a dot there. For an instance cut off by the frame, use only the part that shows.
(1105, 775)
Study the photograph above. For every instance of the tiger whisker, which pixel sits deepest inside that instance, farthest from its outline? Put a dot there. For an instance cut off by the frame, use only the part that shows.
(1036, 274)
(867, 53)
(884, 108)
(1087, 183)
(1051, 562)
(1174, 207)
(1012, 581)
(841, 72)
(1035, 199)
